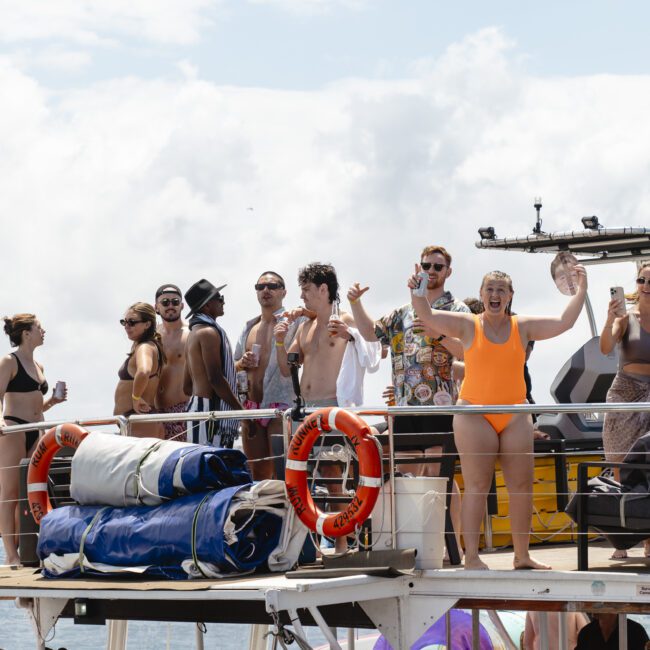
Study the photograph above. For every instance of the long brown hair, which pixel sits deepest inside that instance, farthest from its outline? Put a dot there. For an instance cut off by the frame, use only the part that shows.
(148, 315)
(16, 325)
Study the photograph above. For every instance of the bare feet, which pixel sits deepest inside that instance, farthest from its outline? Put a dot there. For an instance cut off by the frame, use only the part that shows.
(530, 563)
(475, 564)
(618, 554)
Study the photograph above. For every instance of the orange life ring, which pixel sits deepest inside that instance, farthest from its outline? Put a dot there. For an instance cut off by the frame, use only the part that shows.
(64, 435)
(335, 524)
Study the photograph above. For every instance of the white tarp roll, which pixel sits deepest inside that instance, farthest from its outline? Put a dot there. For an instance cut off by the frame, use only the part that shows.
(121, 471)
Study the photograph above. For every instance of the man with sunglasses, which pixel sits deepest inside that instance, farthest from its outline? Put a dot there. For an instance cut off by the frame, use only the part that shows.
(170, 397)
(267, 387)
(422, 358)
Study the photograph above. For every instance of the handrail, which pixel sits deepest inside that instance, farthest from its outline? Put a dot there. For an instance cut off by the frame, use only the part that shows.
(381, 411)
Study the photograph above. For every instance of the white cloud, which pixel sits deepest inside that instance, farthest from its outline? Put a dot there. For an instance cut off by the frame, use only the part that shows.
(98, 22)
(111, 189)
(307, 7)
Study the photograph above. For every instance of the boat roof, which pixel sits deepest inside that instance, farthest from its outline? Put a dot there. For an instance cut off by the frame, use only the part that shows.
(603, 245)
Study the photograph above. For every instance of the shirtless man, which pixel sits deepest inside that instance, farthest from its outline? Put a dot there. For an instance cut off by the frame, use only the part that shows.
(209, 370)
(267, 387)
(170, 397)
(321, 344)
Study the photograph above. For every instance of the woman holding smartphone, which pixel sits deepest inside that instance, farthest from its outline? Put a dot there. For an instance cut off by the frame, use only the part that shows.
(630, 331)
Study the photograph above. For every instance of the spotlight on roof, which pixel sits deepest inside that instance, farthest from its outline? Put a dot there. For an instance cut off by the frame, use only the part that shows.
(487, 232)
(591, 223)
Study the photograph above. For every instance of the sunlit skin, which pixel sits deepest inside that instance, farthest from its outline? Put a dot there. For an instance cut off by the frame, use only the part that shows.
(478, 444)
(30, 407)
(174, 336)
(142, 365)
(613, 331)
(256, 439)
(321, 344)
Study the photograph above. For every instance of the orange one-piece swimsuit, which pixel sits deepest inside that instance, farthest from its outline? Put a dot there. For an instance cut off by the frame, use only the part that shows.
(494, 373)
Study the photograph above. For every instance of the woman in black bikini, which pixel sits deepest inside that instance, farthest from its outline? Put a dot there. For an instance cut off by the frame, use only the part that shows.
(140, 373)
(22, 388)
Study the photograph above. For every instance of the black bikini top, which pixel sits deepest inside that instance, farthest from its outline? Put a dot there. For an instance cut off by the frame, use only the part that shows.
(23, 382)
(124, 374)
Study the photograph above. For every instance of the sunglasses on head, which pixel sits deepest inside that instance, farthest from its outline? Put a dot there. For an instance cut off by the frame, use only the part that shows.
(641, 281)
(260, 286)
(165, 302)
(427, 265)
(129, 321)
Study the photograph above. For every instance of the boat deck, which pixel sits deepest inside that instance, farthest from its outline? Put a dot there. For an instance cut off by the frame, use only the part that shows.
(399, 606)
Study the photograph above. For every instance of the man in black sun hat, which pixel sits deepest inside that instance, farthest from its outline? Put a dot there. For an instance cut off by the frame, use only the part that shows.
(210, 370)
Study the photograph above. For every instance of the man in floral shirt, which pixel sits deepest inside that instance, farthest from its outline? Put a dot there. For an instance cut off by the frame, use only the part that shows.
(422, 358)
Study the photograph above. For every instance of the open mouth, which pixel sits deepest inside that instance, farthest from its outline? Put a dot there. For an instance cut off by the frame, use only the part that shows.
(494, 304)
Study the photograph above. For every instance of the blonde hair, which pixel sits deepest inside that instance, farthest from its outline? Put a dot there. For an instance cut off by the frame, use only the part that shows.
(634, 297)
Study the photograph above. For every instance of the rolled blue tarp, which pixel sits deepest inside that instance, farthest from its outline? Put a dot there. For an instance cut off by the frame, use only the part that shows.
(120, 471)
(233, 530)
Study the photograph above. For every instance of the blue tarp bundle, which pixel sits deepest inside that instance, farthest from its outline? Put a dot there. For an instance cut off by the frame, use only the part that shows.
(159, 539)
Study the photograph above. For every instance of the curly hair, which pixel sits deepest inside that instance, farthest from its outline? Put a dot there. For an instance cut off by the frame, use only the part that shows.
(16, 325)
(318, 274)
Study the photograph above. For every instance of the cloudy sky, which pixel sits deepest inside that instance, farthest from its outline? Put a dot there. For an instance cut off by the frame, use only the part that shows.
(145, 141)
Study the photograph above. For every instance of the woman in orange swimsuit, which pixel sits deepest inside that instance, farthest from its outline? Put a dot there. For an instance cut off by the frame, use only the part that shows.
(495, 351)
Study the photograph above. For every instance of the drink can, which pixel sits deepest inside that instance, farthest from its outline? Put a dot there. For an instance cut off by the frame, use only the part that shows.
(242, 381)
(421, 289)
(256, 349)
(59, 390)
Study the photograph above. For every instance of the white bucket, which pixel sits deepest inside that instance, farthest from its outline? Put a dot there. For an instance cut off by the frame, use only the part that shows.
(420, 504)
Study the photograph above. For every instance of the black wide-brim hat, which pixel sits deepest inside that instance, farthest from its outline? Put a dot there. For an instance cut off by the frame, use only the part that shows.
(200, 293)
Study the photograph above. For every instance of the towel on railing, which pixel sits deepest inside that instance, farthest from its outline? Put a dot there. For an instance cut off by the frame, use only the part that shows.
(122, 471)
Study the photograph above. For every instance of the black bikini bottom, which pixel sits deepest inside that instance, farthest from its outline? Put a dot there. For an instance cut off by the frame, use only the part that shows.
(31, 436)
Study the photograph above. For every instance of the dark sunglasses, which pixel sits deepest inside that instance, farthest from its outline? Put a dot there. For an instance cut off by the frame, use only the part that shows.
(165, 302)
(427, 265)
(129, 321)
(268, 285)
(641, 281)
(219, 297)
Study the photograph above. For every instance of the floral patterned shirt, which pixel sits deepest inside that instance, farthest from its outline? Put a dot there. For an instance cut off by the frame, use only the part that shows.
(421, 365)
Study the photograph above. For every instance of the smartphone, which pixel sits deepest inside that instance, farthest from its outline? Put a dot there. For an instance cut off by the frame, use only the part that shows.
(618, 294)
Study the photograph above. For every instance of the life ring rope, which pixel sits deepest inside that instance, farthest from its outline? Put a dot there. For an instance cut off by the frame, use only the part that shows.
(358, 433)
(63, 435)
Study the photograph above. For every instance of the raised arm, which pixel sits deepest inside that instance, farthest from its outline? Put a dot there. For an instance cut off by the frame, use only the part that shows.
(364, 323)
(458, 325)
(614, 327)
(539, 328)
(280, 333)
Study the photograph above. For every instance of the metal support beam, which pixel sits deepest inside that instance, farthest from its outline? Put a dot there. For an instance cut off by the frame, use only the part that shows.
(43, 615)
